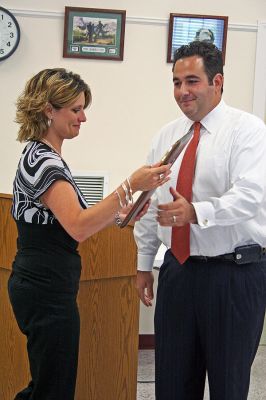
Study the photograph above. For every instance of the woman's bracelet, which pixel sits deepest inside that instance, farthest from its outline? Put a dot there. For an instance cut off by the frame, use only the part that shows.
(119, 198)
(130, 190)
(118, 220)
(124, 187)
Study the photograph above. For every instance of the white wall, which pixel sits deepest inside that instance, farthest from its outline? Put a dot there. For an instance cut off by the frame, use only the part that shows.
(131, 99)
(259, 95)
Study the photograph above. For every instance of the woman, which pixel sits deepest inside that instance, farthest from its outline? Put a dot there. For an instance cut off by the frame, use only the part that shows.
(52, 217)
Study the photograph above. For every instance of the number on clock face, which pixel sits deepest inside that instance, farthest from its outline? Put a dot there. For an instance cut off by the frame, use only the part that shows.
(9, 33)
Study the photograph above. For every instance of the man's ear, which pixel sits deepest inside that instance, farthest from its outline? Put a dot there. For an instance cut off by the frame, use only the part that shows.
(218, 81)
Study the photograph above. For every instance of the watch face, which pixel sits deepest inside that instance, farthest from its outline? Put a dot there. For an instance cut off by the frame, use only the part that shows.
(9, 33)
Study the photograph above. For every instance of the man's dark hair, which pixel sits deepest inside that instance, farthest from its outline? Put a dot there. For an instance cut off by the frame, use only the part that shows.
(210, 54)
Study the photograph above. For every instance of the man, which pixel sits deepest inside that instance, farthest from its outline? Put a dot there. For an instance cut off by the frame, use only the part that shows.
(211, 303)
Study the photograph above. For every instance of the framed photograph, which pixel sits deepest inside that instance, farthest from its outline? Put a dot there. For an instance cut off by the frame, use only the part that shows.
(185, 28)
(94, 33)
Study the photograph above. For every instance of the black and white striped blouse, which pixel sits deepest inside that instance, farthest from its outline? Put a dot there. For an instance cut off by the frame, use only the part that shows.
(38, 168)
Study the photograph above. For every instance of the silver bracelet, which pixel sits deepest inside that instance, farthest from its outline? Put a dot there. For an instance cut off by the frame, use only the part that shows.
(130, 191)
(118, 220)
(124, 187)
(119, 198)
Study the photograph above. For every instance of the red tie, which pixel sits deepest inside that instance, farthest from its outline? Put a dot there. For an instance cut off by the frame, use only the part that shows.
(181, 234)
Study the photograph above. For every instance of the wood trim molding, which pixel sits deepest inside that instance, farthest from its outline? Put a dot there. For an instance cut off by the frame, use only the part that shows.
(5, 196)
(146, 342)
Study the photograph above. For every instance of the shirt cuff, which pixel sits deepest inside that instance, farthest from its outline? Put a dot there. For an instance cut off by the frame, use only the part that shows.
(145, 262)
(205, 214)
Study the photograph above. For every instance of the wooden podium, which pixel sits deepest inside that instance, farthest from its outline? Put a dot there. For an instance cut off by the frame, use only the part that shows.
(109, 311)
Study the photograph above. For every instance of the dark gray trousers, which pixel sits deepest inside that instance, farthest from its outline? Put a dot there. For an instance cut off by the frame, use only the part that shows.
(209, 318)
(51, 323)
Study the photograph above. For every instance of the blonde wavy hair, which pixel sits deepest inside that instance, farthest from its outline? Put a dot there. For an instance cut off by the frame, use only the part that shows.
(57, 87)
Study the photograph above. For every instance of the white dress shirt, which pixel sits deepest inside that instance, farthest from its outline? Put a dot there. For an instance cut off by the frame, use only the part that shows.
(229, 189)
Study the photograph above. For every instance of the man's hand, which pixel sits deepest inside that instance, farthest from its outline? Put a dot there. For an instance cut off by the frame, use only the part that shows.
(144, 286)
(177, 213)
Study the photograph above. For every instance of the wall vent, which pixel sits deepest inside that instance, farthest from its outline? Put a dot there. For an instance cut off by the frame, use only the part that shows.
(93, 185)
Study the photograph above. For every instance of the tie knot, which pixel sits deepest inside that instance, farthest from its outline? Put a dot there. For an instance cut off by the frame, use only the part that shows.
(197, 126)
(196, 132)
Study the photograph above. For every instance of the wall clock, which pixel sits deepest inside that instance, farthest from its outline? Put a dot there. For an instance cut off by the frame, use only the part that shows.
(9, 33)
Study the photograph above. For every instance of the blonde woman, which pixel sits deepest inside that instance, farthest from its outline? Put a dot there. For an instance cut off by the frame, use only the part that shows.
(52, 217)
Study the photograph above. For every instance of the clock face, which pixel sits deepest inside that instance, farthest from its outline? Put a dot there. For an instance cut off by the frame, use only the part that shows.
(9, 33)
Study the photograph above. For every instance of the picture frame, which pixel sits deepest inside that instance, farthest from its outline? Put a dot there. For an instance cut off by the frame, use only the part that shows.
(94, 33)
(185, 28)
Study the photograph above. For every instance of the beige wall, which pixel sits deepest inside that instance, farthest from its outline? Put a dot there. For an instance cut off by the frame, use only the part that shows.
(131, 99)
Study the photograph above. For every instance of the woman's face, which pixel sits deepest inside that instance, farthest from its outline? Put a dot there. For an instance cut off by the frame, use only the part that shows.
(66, 122)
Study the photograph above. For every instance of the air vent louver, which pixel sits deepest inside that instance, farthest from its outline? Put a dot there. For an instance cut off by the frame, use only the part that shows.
(92, 185)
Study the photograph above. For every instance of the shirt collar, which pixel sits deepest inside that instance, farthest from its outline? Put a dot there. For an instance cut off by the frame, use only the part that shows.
(213, 120)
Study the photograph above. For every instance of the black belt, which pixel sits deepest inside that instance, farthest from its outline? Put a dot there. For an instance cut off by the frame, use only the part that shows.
(225, 257)
(242, 255)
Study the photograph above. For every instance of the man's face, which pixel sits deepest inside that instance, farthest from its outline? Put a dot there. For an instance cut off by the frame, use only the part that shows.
(192, 91)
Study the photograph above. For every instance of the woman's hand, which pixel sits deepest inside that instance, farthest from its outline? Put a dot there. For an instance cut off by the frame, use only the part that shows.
(125, 210)
(143, 211)
(149, 177)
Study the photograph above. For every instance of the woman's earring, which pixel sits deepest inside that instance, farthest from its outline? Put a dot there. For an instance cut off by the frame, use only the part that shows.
(49, 122)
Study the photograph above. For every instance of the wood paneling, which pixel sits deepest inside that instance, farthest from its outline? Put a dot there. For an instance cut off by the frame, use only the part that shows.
(147, 342)
(109, 311)
(8, 232)
(109, 253)
(108, 346)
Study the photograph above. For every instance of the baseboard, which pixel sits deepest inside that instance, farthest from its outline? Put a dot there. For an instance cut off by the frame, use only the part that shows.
(146, 342)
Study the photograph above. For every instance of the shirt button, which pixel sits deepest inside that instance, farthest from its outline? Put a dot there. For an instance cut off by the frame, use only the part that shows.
(205, 222)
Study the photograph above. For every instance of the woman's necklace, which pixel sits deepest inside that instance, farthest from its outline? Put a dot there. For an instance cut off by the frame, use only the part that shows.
(52, 147)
